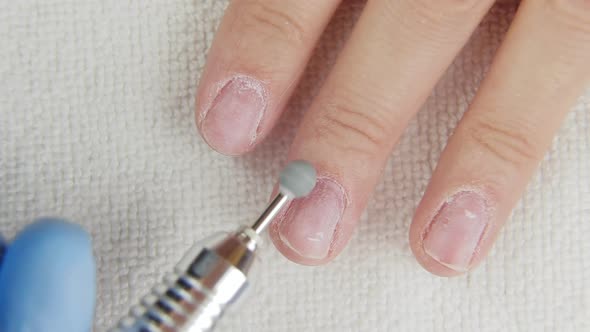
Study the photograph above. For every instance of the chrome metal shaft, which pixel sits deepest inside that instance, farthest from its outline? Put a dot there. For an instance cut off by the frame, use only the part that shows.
(271, 212)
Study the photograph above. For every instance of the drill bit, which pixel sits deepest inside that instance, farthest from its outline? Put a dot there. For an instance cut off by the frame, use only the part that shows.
(197, 294)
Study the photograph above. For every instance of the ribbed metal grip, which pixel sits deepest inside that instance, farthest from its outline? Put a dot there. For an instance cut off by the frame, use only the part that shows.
(169, 308)
(194, 298)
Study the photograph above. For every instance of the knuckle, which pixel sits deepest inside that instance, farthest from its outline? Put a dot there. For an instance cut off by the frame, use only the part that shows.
(509, 142)
(275, 23)
(352, 128)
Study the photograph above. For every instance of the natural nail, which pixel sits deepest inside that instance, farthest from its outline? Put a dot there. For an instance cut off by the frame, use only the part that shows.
(231, 124)
(454, 234)
(309, 225)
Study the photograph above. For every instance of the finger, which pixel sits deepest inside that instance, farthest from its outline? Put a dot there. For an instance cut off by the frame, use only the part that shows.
(536, 77)
(258, 55)
(47, 280)
(396, 54)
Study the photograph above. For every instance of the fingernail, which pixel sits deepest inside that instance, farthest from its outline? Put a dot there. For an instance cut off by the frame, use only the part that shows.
(309, 224)
(453, 236)
(231, 124)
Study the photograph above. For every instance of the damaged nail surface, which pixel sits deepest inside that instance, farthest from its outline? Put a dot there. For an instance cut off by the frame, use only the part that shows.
(231, 123)
(309, 224)
(454, 234)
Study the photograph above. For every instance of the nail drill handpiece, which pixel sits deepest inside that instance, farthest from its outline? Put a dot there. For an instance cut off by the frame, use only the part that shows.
(208, 280)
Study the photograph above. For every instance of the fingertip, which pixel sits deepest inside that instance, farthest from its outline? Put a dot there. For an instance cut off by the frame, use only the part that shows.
(47, 282)
(292, 254)
(426, 261)
(231, 123)
(451, 233)
(313, 229)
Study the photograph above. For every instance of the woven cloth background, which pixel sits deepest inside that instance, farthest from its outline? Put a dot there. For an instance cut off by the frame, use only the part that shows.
(96, 124)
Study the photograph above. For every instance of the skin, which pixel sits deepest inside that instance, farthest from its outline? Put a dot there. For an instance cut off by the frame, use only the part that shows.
(395, 55)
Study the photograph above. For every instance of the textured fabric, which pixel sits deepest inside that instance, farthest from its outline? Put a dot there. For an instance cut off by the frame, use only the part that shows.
(96, 116)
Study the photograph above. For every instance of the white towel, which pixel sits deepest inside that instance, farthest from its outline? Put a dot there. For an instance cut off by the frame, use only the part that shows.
(96, 116)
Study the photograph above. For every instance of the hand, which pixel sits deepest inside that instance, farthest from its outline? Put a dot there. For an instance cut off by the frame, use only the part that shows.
(47, 280)
(394, 57)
